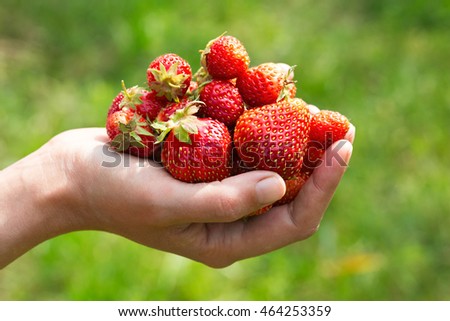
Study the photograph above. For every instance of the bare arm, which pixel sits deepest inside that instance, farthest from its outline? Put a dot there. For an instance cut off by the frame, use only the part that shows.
(69, 184)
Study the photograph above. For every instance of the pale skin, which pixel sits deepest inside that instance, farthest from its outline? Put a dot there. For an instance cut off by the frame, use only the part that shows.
(62, 187)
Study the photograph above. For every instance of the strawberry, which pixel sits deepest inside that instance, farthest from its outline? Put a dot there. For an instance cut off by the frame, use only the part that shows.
(225, 57)
(170, 109)
(265, 84)
(115, 118)
(170, 76)
(273, 137)
(293, 187)
(327, 127)
(237, 166)
(313, 156)
(126, 123)
(146, 103)
(261, 210)
(115, 105)
(150, 105)
(222, 101)
(192, 92)
(196, 149)
(129, 132)
(128, 97)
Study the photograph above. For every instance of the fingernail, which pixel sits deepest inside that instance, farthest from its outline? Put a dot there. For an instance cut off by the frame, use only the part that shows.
(270, 189)
(313, 109)
(347, 152)
(350, 136)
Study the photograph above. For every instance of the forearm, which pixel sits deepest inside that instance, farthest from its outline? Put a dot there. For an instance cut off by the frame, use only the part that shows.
(34, 204)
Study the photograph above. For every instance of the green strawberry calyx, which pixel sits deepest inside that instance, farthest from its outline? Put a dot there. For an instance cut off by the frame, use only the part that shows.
(131, 96)
(183, 123)
(131, 134)
(168, 82)
(206, 51)
(202, 77)
(287, 83)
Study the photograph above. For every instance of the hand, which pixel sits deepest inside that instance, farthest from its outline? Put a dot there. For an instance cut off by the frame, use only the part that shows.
(75, 183)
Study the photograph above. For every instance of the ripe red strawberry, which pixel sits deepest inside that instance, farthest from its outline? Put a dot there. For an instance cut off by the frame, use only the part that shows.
(225, 57)
(265, 84)
(145, 102)
(261, 210)
(129, 132)
(170, 109)
(192, 92)
(128, 97)
(199, 150)
(327, 127)
(273, 137)
(150, 105)
(238, 167)
(170, 76)
(115, 118)
(115, 105)
(312, 158)
(293, 187)
(222, 101)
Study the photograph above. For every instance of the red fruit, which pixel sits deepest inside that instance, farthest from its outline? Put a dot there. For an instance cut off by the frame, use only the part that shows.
(261, 210)
(265, 84)
(203, 154)
(126, 123)
(170, 76)
(170, 109)
(238, 166)
(151, 105)
(192, 92)
(293, 187)
(144, 102)
(222, 101)
(115, 105)
(313, 157)
(327, 127)
(225, 58)
(129, 132)
(115, 118)
(273, 137)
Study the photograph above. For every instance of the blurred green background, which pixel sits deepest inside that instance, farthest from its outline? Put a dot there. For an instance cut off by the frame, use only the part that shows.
(385, 64)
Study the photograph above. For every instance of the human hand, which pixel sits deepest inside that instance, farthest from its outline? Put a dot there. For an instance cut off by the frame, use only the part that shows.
(79, 184)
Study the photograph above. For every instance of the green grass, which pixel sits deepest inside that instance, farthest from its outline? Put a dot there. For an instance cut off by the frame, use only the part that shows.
(384, 64)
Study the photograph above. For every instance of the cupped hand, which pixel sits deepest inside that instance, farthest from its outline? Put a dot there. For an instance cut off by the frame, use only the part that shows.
(76, 182)
(207, 222)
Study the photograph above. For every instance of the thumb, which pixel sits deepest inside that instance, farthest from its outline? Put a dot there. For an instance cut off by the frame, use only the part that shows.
(227, 200)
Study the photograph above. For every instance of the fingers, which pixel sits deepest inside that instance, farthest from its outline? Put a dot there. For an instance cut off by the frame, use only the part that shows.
(224, 201)
(300, 219)
(308, 208)
(350, 135)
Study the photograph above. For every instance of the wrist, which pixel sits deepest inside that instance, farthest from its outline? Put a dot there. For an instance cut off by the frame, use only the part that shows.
(36, 203)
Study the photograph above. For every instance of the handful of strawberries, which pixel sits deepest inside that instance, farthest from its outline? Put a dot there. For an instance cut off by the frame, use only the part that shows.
(226, 119)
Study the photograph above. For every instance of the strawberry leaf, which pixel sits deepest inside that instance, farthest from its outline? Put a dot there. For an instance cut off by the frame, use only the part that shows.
(131, 96)
(190, 125)
(121, 142)
(142, 131)
(137, 144)
(124, 128)
(182, 135)
(159, 126)
(135, 137)
(163, 135)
